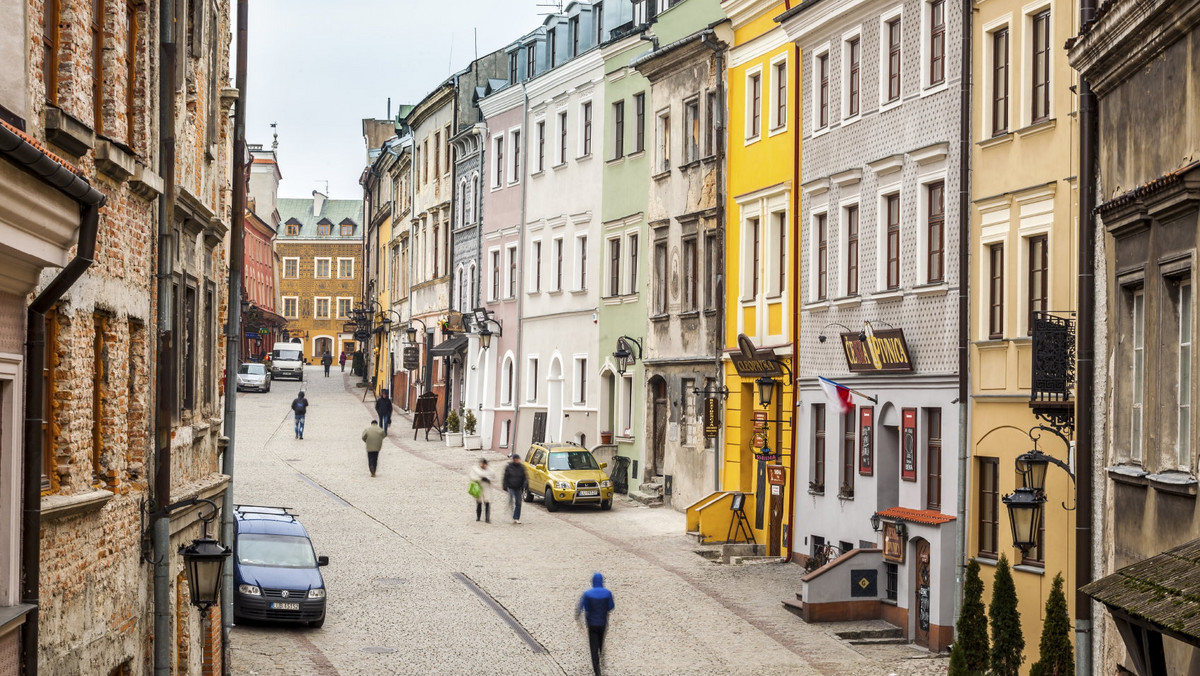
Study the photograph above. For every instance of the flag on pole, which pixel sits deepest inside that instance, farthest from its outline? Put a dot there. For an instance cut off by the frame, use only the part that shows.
(839, 395)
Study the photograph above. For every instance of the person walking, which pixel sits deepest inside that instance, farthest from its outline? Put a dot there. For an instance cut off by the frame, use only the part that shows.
(327, 361)
(595, 605)
(342, 361)
(481, 475)
(515, 482)
(373, 436)
(383, 406)
(300, 409)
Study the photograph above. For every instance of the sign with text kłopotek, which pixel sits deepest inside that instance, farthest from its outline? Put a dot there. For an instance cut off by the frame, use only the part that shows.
(882, 351)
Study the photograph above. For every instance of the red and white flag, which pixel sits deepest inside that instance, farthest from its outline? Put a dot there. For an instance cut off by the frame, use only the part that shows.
(838, 395)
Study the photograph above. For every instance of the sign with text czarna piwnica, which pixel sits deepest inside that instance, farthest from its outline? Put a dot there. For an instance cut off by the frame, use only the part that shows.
(882, 351)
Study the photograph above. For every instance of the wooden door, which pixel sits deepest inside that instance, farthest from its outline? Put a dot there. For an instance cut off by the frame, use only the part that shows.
(922, 600)
(661, 413)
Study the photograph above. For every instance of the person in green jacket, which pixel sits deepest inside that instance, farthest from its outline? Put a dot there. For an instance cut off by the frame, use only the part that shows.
(373, 436)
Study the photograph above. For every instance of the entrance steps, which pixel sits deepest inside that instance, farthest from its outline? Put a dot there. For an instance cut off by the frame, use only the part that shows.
(649, 493)
(884, 634)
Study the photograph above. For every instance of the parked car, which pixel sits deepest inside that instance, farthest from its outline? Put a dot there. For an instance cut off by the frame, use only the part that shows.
(276, 572)
(564, 473)
(253, 377)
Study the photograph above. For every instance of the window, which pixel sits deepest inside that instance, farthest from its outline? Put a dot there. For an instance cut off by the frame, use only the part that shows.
(779, 80)
(586, 142)
(321, 307)
(631, 246)
(498, 158)
(345, 268)
(933, 466)
(321, 268)
(506, 393)
(598, 21)
(581, 374)
(99, 381)
(936, 232)
(853, 79)
(937, 42)
(818, 479)
(891, 580)
(893, 64)
(581, 244)
(51, 18)
(755, 228)
(494, 263)
(691, 121)
(661, 278)
(293, 229)
(614, 267)
(996, 292)
(98, 65)
(618, 130)
(291, 268)
(541, 145)
(626, 403)
(852, 251)
(1039, 264)
(710, 121)
(562, 137)
(893, 241)
(291, 307)
(664, 141)
(347, 229)
(989, 508)
(639, 121)
(512, 271)
(437, 253)
(823, 98)
(849, 452)
(131, 67)
(1041, 67)
(573, 26)
(535, 274)
(515, 143)
(1138, 381)
(687, 417)
(1000, 82)
(530, 60)
(437, 152)
(558, 264)
(324, 229)
(512, 68)
(822, 258)
(1184, 380)
(531, 385)
(713, 271)
(344, 305)
(553, 49)
(754, 106)
(690, 303)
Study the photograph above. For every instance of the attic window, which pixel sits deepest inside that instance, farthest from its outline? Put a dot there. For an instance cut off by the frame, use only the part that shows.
(347, 229)
(293, 228)
(323, 229)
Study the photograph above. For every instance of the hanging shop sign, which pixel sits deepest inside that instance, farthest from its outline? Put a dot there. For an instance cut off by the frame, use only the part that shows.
(412, 357)
(908, 445)
(866, 440)
(893, 542)
(763, 363)
(881, 351)
(776, 475)
(712, 423)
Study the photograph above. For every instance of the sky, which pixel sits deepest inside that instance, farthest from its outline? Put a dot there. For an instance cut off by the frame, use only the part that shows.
(318, 68)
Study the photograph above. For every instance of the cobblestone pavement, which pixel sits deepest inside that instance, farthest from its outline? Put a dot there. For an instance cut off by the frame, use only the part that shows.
(417, 586)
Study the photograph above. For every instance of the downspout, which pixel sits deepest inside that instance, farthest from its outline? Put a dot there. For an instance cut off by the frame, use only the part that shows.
(719, 139)
(796, 175)
(964, 252)
(165, 394)
(1085, 348)
(233, 335)
(90, 201)
(449, 389)
(517, 370)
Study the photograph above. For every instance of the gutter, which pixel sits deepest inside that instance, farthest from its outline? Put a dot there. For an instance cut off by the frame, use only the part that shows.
(964, 253)
(516, 416)
(719, 138)
(40, 164)
(796, 173)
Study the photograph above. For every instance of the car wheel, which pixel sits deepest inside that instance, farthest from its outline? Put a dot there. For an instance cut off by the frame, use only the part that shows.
(606, 505)
(551, 505)
(268, 388)
(317, 624)
(528, 496)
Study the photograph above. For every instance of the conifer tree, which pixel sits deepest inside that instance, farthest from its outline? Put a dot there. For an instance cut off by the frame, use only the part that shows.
(1007, 641)
(1055, 655)
(969, 656)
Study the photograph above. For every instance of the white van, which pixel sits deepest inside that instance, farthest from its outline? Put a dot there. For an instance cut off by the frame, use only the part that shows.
(287, 360)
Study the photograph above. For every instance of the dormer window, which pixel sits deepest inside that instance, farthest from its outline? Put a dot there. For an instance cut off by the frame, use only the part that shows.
(347, 229)
(643, 11)
(293, 229)
(323, 229)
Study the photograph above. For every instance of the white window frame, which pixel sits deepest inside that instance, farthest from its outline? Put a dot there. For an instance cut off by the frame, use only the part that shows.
(927, 42)
(497, 160)
(662, 141)
(775, 125)
(532, 366)
(1026, 58)
(579, 391)
(561, 145)
(328, 307)
(894, 14)
(755, 213)
(514, 156)
(558, 252)
(317, 267)
(610, 292)
(1183, 390)
(11, 388)
(989, 33)
(508, 381)
(631, 262)
(338, 305)
(1036, 219)
(922, 224)
(495, 273)
(750, 135)
(686, 137)
(587, 113)
(625, 407)
(814, 253)
(286, 261)
(844, 77)
(774, 262)
(340, 260)
(539, 149)
(580, 271)
(817, 127)
(843, 244)
(535, 264)
(283, 302)
(1137, 418)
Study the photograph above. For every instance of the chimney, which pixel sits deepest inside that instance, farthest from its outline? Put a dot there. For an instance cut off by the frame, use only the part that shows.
(318, 202)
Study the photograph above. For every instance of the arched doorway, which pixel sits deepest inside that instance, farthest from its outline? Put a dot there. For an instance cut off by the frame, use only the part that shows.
(661, 413)
(554, 404)
(922, 591)
(320, 347)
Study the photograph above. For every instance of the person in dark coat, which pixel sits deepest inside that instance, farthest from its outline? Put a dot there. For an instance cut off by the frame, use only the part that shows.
(327, 361)
(300, 408)
(383, 406)
(595, 605)
(342, 361)
(515, 482)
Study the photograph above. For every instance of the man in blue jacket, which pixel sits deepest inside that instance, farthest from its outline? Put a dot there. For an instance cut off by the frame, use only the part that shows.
(595, 604)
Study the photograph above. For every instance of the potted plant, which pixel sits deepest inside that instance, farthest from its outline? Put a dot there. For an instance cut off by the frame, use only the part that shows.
(606, 437)
(816, 487)
(453, 430)
(471, 441)
(846, 492)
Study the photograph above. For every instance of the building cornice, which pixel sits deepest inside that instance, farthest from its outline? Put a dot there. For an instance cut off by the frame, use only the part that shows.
(559, 77)
(1127, 36)
(502, 101)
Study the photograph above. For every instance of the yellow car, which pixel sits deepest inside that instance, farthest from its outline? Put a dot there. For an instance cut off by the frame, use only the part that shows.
(566, 474)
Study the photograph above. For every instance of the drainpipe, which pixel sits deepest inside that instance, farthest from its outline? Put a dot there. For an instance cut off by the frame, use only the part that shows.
(165, 377)
(233, 335)
(517, 370)
(1085, 348)
(90, 201)
(796, 174)
(964, 252)
(719, 139)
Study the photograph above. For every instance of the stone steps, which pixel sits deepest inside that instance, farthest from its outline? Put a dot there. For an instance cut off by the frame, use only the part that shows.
(647, 499)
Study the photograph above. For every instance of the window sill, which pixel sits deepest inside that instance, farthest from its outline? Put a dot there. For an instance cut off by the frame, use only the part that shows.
(931, 89)
(1176, 483)
(63, 506)
(690, 164)
(67, 133)
(818, 306)
(1030, 568)
(536, 174)
(615, 161)
(846, 301)
(998, 140)
(1037, 128)
(890, 296)
(751, 140)
(612, 300)
(1130, 475)
(934, 289)
(626, 440)
(845, 496)
(630, 298)
(636, 154)
(888, 602)
(659, 318)
(985, 561)
(885, 106)
(660, 175)
(781, 129)
(816, 491)
(710, 313)
(576, 292)
(558, 166)
(690, 314)
(583, 157)
(709, 158)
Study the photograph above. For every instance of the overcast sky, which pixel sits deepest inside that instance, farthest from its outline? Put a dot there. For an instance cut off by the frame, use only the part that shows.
(318, 68)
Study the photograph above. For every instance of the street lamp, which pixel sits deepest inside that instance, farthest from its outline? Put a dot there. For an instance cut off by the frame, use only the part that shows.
(482, 318)
(1032, 467)
(1024, 515)
(624, 353)
(875, 522)
(203, 559)
(766, 388)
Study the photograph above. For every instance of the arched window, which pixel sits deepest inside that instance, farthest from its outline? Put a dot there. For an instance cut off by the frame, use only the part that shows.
(474, 192)
(506, 383)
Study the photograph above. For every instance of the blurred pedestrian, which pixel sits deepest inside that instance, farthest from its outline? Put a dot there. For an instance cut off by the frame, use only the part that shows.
(595, 605)
(327, 361)
(300, 409)
(481, 475)
(515, 482)
(342, 361)
(383, 406)
(373, 436)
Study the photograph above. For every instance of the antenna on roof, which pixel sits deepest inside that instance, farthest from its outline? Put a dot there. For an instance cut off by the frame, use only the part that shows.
(275, 136)
(556, 4)
(326, 182)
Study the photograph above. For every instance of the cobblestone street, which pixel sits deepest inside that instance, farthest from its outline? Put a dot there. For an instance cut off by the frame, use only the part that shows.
(417, 586)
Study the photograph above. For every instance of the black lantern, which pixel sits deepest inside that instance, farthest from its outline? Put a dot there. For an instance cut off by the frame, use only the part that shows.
(766, 388)
(485, 337)
(875, 522)
(1032, 466)
(204, 561)
(411, 331)
(1024, 515)
(622, 356)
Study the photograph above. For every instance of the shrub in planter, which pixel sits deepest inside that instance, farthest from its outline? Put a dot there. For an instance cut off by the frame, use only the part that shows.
(469, 422)
(452, 422)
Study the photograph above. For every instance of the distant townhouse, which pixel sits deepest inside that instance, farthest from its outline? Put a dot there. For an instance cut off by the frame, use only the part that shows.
(378, 205)
(880, 275)
(401, 348)
(261, 323)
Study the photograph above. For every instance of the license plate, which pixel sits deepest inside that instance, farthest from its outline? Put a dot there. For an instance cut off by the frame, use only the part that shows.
(285, 606)
(588, 494)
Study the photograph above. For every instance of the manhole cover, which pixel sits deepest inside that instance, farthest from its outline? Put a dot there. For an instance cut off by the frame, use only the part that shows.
(390, 581)
(377, 650)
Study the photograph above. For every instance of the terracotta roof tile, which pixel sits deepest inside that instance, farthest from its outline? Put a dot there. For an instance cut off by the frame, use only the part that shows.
(924, 516)
(38, 144)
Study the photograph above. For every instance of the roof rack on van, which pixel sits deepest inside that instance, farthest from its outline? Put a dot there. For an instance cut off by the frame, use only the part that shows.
(266, 509)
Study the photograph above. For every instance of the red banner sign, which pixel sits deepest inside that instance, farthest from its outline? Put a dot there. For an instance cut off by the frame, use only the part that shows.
(908, 446)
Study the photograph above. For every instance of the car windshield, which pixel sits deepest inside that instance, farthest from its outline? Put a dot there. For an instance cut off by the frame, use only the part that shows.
(572, 460)
(252, 369)
(279, 551)
(286, 355)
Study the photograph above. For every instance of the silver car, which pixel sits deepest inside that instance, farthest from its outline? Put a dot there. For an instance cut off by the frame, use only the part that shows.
(253, 377)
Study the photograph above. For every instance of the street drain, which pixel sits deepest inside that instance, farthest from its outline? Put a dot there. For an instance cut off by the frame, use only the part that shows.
(292, 460)
(377, 650)
(390, 581)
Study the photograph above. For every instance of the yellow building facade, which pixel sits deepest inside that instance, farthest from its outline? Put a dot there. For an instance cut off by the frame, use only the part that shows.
(1023, 261)
(762, 156)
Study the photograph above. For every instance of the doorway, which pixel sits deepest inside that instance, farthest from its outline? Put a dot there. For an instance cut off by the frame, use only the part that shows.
(320, 347)
(922, 591)
(662, 411)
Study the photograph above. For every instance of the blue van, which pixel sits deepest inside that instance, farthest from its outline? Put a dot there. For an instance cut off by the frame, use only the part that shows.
(276, 573)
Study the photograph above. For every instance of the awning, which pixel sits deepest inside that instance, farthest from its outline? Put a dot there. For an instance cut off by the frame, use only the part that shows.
(450, 346)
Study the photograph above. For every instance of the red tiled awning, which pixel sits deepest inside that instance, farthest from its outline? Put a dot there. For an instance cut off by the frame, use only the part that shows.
(926, 517)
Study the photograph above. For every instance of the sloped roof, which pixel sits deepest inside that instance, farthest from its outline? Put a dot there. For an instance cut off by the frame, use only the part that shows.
(335, 211)
(927, 517)
(1163, 590)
